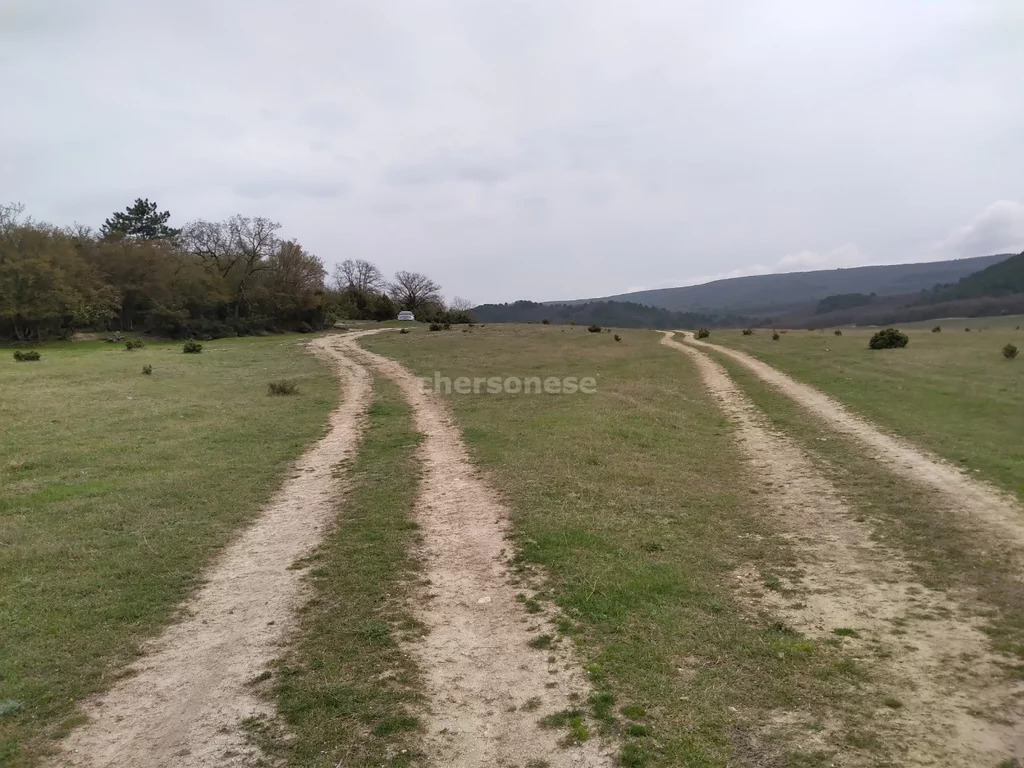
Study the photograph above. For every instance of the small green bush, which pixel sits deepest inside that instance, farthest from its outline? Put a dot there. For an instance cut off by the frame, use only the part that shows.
(889, 338)
(192, 347)
(748, 331)
(967, 330)
(404, 330)
(446, 326)
(838, 332)
(305, 327)
(594, 329)
(27, 356)
(545, 321)
(435, 326)
(1010, 351)
(775, 336)
(937, 329)
(617, 337)
(147, 370)
(134, 343)
(282, 388)
(703, 333)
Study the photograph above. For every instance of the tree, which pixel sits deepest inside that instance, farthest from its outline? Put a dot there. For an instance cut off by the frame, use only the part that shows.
(359, 274)
(412, 290)
(141, 221)
(460, 304)
(295, 283)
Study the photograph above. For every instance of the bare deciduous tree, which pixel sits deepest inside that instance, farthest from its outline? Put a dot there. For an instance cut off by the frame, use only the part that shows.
(412, 290)
(358, 274)
(459, 304)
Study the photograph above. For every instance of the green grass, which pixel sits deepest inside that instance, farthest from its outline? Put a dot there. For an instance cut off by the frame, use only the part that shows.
(951, 392)
(637, 504)
(118, 489)
(346, 690)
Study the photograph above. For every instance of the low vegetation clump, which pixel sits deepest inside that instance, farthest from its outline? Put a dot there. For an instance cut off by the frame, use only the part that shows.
(26, 356)
(192, 347)
(404, 330)
(703, 333)
(282, 388)
(545, 321)
(838, 332)
(775, 335)
(435, 326)
(889, 338)
(617, 337)
(1010, 351)
(748, 331)
(937, 329)
(147, 370)
(134, 343)
(594, 329)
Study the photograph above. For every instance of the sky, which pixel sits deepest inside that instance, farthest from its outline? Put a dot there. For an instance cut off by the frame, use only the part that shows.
(538, 149)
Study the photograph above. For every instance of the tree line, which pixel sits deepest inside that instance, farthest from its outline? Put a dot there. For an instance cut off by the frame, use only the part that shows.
(205, 279)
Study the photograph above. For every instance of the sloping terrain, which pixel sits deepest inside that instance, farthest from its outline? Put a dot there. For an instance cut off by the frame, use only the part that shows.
(761, 294)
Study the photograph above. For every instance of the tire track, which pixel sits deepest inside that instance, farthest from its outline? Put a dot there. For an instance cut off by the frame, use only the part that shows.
(979, 502)
(184, 704)
(959, 708)
(476, 657)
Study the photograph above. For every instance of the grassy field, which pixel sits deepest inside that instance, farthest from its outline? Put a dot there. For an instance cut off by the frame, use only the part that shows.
(118, 489)
(635, 503)
(951, 392)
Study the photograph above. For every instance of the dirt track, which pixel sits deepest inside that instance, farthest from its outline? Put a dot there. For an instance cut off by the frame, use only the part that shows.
(960, 708)
(184, 704)
(980, 504)
(480, 669)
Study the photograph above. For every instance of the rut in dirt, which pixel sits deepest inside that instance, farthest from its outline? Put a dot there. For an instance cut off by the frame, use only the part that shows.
(479, 667)
(184, 705)
(959, 708)
(994, 512)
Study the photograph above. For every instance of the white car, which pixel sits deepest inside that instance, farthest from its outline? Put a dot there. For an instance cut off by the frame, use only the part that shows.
(406, 315)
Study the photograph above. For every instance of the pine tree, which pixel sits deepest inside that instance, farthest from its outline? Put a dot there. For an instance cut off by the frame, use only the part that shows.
(140, 221)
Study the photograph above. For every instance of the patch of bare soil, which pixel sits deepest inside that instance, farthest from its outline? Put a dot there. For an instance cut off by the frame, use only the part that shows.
(950, 701)
(184, 704)
(977, 502)
(476, 656)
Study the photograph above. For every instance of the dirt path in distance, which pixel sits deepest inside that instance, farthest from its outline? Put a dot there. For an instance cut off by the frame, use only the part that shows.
(184, 705)
(924, 650)
(977, 502)
(479, 667)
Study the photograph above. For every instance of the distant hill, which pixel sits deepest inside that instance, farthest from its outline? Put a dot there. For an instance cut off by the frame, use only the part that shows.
(617, 314)
(768, 295)
(1002, 279)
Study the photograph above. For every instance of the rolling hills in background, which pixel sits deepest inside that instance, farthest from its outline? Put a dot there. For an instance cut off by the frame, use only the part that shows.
(986, 285)
(773, 294)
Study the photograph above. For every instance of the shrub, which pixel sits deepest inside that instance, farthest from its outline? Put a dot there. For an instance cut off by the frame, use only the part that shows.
(282, 388)
(192, 347)
(937, 329)
(435, 326)
(305, 327)
(446, 326)
(838, 332)
(545, 321)
(147, 370)
(889, 338)
(1009, 351)
(28, 356)
(134, 343)
(748, 331)
(703, 333)
(617, 337)
(404, 330)
(594, 329)
(967, 330)
(775, 336)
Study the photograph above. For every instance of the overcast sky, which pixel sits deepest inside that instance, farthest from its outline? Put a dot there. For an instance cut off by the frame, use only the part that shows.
(534, 149)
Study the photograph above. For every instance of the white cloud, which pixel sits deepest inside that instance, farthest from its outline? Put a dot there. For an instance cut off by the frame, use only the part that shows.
(848, 255)
(997, 229)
